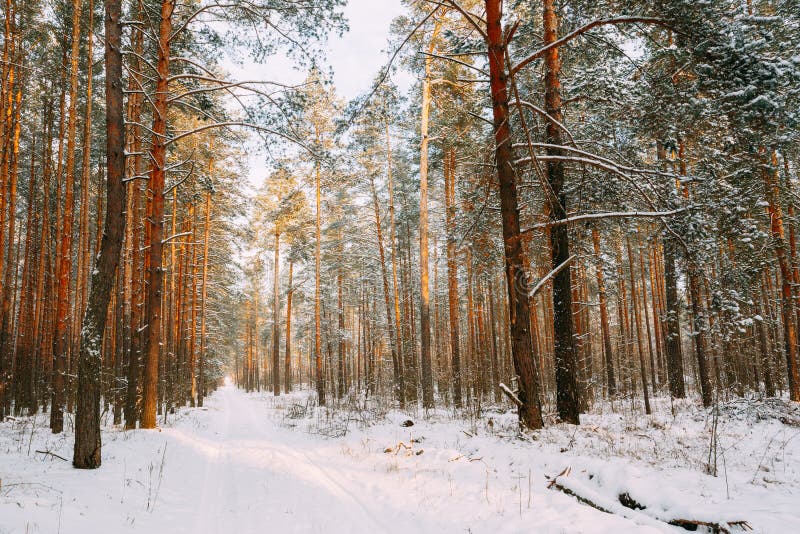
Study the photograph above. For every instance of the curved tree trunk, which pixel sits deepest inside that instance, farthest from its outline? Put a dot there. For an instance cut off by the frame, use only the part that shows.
(87, 419)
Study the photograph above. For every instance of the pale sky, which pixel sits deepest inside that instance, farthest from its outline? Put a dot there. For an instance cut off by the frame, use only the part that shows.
(356, 57)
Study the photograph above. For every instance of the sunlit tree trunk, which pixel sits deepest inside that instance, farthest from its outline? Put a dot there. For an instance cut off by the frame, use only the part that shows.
(158, 154)
(134, 268)
(276, 312)
(287, 368)
(424, 315)
(771, 188)
(61, 339)
(395, 288)
(320, 379)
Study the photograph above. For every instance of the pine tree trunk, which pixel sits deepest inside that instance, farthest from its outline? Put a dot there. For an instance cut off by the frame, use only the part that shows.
(276, 312)
(424, 315)
(769, 173)
(516, 278)
(87, 419)
(287, 368)
(395, 287)
(398, 382)
(638, 320)
(320, 379)
(763, 343)
(61, 338)
(564, 340)
(158, 154)
(452, 274)
(7, 182)
(673, 343)
(340, 334)
(611, 382)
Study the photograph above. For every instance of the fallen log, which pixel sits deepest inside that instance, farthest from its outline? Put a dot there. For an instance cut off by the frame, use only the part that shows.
(626, 506)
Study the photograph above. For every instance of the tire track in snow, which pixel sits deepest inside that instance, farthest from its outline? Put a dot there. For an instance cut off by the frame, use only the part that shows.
(301, 460)
(208, 506)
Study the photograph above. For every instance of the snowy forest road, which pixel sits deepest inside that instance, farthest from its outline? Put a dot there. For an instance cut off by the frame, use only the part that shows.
(229, 467)
(252, 480)
(252, 463)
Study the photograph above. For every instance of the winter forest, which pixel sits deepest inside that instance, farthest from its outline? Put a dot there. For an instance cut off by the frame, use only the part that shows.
(435, 266)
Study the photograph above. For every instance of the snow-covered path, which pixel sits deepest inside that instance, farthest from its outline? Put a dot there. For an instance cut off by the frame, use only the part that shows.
(228, 467)
(237, 467)
(252, 478)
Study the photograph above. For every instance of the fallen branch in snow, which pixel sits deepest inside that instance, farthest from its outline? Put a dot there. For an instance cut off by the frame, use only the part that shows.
(626, 506)
(53, 454)
(716, 528)
(510, 394)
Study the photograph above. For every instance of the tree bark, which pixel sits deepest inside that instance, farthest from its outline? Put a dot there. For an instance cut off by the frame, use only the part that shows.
(516, 277)
(156, 223)
(87, 419)
(564, 341)
(425, 311)
(61, 339)
(675, 375)
(320, 379)
(611, 382)
(387, 296)
(395, 287)
(452, 273)
(201, 360)
(638, 320)
(772, 192)
(276, 311)
(287, 369)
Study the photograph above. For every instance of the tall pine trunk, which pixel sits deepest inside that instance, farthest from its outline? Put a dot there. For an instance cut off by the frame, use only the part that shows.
(387, 297)
(564, 340)
(276, 311)
(87, 419)
(452, 272)
(530, 414)
(424, 290)
(608, 349)
(769, 173)
(287, 368)
(61, 336)
(155, 223)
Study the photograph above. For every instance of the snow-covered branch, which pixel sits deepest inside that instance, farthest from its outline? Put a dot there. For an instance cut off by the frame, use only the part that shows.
(607, 215)
(580, 31)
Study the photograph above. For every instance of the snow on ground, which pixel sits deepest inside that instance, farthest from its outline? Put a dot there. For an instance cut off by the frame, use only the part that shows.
(250, 463)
